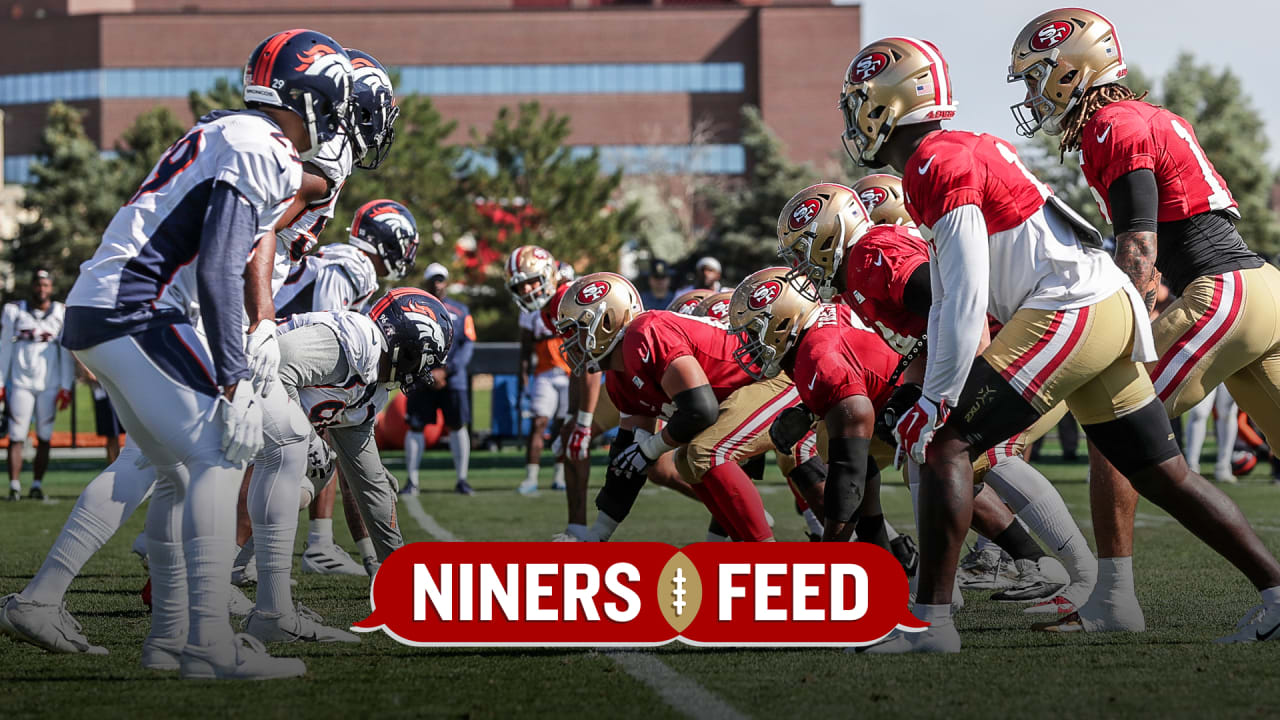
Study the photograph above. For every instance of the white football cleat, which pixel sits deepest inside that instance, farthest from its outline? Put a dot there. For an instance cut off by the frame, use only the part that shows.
(985, 569)
(528, 488)
(937, 639)
(1258, 625)
(564, 536)
(1099, 616)
(244, 658)
(1035, 580)
(245, 574)
(238, 604)
(330, 559)
(162, 653)
(46, 626)
(304, 625)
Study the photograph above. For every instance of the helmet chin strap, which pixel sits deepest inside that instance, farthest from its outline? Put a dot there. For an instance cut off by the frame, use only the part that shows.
(310, 121)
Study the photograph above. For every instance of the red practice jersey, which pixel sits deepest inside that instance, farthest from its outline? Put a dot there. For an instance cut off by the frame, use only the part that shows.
(876, 273)
(551, 311)
(836, 360)
(952, 168)
(653, 341)
(1133, 135)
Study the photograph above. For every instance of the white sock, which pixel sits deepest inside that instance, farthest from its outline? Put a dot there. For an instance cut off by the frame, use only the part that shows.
(1195, 430)
(460, 449)
(1115, 580)
(935, 615)
(413, 443)
(36, 483)
(365, 548)
(913, 487)
(208, 579)
(716, 537)
(168, 589)
(15, 485)
(531, 473)
(1049, 519)
(275, 559)
(889, 531)
(811, 522)
(577, 530)
(321, 532)
(604, 527)
(1226, 429)
(558, 477)
(1271, 596)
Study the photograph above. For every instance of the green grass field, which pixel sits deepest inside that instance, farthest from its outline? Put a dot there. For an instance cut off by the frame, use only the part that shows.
(1190, 597)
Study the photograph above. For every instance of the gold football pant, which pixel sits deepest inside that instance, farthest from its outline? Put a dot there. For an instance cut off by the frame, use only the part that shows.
(742, 429)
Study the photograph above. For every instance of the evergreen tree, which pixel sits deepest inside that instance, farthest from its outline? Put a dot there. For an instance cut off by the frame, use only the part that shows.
(141, 146)
(224, 95)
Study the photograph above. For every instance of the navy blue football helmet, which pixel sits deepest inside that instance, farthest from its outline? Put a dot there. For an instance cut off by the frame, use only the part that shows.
(387, 229)
(373, 110)
(419, 332)
(306, 72)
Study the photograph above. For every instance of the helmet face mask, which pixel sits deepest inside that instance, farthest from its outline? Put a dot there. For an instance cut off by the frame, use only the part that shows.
(756, 358)
(767, 313)
(1038, 111)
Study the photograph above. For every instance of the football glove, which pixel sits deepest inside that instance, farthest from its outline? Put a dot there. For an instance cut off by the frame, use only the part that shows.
(241, 419)
(637, 458)
(64, 398)
(916, 428)
(263, 353)
(319, 461)
(901, 400)
(791, 425)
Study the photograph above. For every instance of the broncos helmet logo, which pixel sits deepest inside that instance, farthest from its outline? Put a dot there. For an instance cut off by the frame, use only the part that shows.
(324, 61)
(398, 223)
(429, 333)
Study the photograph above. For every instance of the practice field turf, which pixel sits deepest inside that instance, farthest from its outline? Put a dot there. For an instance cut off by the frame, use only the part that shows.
(1189, 594)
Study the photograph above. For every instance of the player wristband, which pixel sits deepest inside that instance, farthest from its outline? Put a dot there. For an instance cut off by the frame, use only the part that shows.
(584, 418)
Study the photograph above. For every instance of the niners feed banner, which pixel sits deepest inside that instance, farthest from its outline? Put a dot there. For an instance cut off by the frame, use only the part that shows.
(638, 594)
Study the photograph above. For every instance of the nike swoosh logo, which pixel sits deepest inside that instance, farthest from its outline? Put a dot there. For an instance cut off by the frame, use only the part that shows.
(925, 167)
(1103, 137)
(1064, 545)
(1263, 636)
(879, 260)
(812, 380)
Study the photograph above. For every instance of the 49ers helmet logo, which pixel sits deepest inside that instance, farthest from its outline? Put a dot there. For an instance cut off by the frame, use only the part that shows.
(872, 197)
(591, 292)
(868, 66)
(719, 310)
(1051, 35)
(765, 293)
(686, 307)
(804, 214)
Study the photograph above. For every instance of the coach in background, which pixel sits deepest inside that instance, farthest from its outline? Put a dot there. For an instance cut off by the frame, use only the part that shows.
(706, 276)
(450, 397)
(35, 375)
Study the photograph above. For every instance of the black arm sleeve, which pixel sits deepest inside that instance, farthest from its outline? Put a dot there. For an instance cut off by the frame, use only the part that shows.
(1135, 202)
(917, 295)
(226, 240)
(696, 410)
(846, 477)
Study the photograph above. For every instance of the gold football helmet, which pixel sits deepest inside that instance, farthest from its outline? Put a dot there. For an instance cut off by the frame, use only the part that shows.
(767, 313)
(881, 194)
(592, 316)
(894, 81)
(686, 303)
(531, 276)
(817, 227)
(1059, 56)
(715, 306)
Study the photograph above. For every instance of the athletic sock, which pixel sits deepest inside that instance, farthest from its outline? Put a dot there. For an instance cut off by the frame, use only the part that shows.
(15, 485)
(244, 553)
(558, 478)
(365, 547)
(577, 530)
(935, 615)
(208, 571)
(740, 501)
(460, 449)
(603, 527)
(1016, 541)
(168, 589)
(531, 473)
(1050, 520)
(275, 560)
(811, 522)
(413, 443)
(321, 532)
(84, 533)
(37, 483)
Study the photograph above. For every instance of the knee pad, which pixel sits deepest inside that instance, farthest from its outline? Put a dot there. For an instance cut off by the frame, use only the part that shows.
(1142, 439)
(619, 493)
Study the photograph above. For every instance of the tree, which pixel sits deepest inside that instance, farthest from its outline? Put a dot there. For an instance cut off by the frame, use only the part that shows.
(74, 196)
(141, 146)
(222, 96)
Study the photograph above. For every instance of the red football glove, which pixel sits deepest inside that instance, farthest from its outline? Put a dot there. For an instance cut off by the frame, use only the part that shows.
(915, 429)
(1, 392)
(579, 443)
(64, 399)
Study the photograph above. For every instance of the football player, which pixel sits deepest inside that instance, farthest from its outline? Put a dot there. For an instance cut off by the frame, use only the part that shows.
(686, 303)
(714, 306)
(1074, 327)
(880, 268)
(1175, 218)
(36, 373)
(338, 365)
(682, 368)
(533, 279)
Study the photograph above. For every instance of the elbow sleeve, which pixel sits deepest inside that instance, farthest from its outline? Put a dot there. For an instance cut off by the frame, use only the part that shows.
(1135, 202)
(696, 410)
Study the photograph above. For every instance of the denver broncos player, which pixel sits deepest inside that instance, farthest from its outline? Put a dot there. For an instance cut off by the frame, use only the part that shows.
(682, 368)
(1174, 217)
(175, 257)
(1075, 329)
(881, 270)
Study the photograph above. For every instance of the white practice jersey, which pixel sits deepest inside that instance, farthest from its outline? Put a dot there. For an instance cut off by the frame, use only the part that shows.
(531, 320)
(337, 277)
(30, 354)
(146, 259)
(303, 234)
(362, 396)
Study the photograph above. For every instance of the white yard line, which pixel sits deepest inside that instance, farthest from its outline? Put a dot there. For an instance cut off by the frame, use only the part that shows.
(680, 692)
(428, 524)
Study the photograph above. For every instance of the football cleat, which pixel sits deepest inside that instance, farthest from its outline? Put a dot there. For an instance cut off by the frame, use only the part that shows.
(162, 653)
(409, 490)
(463, 488)
(304, 625)
(985, 569)
(1260, 624)
(1056, 605)
(330, 559)
(36, 493)
(937, 639)
(904, 548)
(528, 488)
(46, 626)
(244, 658)
(1035, 580)
(14, 495)
(565, 536)
(238, 604)
(558, 485)
(371, 566)
(246, 574)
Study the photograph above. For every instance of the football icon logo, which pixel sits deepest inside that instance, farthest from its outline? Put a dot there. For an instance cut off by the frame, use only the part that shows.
(804, 214)
(767, 292)
(868, 66)
(873, 196)
(591, 292)
(1051, 35)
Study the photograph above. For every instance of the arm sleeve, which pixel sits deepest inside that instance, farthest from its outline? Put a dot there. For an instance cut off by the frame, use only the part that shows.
(334, 289)
(309, 356)
(6, 343)
(1135, 202)
(227, 238)
(917, 291)
(959, 276)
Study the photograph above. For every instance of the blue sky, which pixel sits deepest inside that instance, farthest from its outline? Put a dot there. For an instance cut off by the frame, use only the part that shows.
(975, 37)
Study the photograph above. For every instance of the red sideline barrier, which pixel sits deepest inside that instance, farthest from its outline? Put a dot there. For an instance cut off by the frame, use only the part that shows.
(391, 427)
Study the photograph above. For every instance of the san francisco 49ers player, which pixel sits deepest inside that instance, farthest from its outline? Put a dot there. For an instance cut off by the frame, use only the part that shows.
(688, 302)
(882, 271)
(660, 364)
(1074, 328)
(1173, 217)
(714, 306)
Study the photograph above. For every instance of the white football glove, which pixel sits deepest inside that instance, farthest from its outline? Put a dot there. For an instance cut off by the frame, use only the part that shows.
(241, 424)
(319, 461)
(641, 454)
(262, 351)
